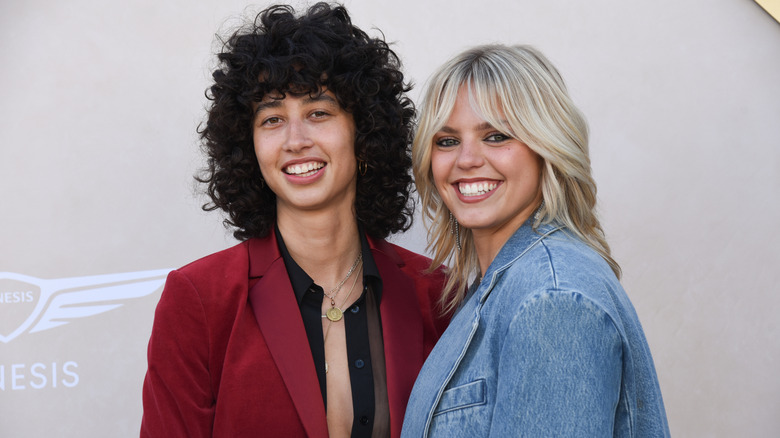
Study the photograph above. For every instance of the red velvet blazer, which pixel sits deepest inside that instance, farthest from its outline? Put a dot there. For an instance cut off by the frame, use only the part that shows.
(229, 357)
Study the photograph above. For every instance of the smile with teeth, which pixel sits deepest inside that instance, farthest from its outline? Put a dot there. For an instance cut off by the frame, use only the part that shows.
(304, 169)
(477, 188)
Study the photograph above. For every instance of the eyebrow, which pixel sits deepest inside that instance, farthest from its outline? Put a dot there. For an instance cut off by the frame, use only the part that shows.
(277, 103)
(481, 127)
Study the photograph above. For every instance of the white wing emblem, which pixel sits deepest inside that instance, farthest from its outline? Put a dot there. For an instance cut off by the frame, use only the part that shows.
(65, 299)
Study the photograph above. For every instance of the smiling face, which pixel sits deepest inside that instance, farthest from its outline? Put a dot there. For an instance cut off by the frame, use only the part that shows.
(490, 181)
(305, 148)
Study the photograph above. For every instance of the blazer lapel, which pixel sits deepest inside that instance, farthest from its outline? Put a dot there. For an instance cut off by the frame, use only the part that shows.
(402, 329)
(273, 303)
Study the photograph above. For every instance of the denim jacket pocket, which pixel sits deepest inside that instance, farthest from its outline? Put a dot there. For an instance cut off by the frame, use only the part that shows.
(463, 396)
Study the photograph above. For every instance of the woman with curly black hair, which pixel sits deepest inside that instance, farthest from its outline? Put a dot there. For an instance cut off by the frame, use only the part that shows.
(307, 139)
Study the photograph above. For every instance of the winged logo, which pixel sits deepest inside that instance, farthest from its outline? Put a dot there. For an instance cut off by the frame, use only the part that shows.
(30, 304)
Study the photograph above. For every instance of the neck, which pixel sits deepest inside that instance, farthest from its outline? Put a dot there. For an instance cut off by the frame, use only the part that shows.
(488, 242)
(486, 248)
(324, 244)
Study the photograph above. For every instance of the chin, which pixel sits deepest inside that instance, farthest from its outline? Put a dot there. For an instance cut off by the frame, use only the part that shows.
(472, 224)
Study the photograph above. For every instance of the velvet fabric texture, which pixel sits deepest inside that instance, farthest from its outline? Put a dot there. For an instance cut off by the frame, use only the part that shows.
(228, 355)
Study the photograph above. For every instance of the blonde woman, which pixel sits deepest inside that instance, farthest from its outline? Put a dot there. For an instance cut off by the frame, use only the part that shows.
(545, 341)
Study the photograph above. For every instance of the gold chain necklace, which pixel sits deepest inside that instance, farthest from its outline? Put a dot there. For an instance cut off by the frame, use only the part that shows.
(334, 313)
(335, 290)
(331, 321)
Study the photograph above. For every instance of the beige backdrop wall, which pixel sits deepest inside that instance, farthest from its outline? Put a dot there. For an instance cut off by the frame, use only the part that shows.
(98, 110)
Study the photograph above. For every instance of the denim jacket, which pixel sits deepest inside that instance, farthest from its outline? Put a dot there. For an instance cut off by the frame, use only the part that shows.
(548, 344)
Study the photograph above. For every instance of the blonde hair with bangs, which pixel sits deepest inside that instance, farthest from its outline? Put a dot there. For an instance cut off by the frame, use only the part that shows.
(515, 89)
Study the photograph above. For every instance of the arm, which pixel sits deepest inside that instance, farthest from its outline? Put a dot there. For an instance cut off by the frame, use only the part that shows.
(177, 394)
(559, 370)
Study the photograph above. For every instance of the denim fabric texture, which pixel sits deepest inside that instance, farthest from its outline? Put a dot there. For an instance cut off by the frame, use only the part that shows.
(547, 345)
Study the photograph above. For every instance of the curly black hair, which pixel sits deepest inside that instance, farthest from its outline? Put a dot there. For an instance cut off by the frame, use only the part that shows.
(321, 49)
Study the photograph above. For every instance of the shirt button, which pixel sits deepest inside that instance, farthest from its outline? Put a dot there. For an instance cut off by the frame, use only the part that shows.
(359, 363)
(364, 420)
(355, 309)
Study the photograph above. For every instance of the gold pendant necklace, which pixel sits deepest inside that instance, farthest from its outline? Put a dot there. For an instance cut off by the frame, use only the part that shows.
(331, 321)
(334, 313)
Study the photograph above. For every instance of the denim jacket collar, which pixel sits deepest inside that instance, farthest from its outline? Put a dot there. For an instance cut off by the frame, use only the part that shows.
(518, 244)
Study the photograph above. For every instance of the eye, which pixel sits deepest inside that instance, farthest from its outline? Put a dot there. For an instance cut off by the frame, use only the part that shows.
(497, 137)
(271, 121)
(446, 142)
(319, 114)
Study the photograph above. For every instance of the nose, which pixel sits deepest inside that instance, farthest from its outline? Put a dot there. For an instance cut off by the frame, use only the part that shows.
(298, 137)
(469, 154)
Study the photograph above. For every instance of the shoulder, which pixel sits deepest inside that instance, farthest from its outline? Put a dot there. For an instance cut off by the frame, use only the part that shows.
(411, 263)
(564, 263)
(563, 326)
(215, 260)
(411, 259)
(427, 282)
(420, 269)
(562, 307)
(219, 271)
(570, 256)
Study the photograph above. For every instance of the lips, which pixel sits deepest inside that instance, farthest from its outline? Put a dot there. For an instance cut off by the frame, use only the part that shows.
(476, 188)
(304, 169)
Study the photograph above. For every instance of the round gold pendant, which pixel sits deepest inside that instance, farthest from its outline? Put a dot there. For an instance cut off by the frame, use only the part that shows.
(334, 314)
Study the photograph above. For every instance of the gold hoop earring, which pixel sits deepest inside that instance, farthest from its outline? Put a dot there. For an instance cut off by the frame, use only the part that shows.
(362, 167)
